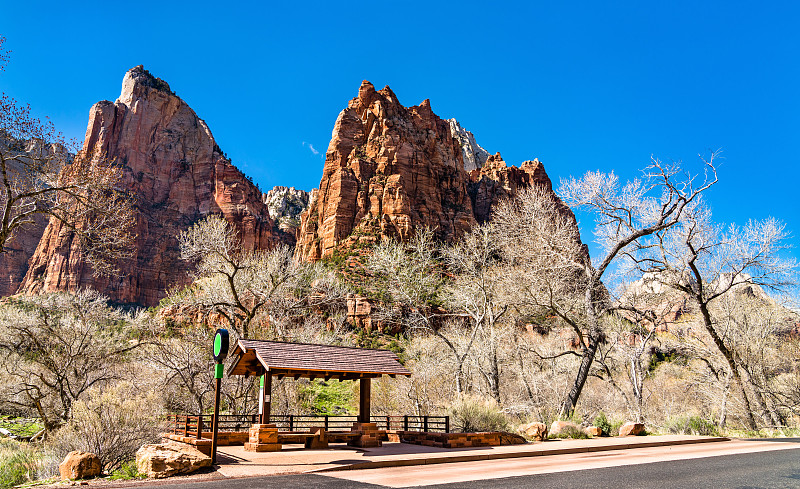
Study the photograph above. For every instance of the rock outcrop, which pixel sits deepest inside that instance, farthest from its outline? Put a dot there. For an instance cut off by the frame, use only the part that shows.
(18, 251)
(390, 170)
(495, 181)
(473, 154)
(593, 431)
(178, 174)
(285, 205)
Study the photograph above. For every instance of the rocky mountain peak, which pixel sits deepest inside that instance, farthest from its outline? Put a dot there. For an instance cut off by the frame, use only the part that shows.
(285, 206)
(391, 170)
(178, 175)
(473, 154)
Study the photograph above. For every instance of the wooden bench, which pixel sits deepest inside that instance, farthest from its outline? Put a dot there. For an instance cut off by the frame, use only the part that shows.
(294, 436)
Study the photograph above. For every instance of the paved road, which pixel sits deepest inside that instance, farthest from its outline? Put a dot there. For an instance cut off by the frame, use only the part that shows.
(764, 469)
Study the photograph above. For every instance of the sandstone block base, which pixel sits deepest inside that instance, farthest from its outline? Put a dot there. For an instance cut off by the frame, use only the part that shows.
(369, 437)
(262, 447)
(263, 438)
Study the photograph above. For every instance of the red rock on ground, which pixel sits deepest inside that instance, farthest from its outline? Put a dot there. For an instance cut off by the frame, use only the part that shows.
(79, 465)
(631, 429)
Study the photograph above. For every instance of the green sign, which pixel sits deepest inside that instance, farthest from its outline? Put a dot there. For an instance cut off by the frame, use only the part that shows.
(221, 345)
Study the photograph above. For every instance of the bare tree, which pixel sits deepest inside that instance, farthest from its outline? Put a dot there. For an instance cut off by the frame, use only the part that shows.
(478, 293)
(182, 357)
(5, 54)
(243, 286)
(55, 347)
(412, 283)
(541, 238)
(706, 261)
(40, 176)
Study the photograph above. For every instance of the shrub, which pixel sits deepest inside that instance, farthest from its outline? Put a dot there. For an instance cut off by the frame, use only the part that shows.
(127, 471)
(602, 422)
(470, 414)
(693, 425)
(570, 432)
(18, 463)
(112, 424)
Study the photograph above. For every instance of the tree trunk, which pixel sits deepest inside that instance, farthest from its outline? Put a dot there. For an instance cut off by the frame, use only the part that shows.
(767, 414)
(731, 360)
(583, 373)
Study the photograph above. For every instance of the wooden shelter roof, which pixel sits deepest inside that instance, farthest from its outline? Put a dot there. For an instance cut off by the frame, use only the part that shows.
(284, 359)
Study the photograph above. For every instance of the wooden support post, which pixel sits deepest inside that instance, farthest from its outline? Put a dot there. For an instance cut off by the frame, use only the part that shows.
(364, 398)
(218, 370)
(266, 388)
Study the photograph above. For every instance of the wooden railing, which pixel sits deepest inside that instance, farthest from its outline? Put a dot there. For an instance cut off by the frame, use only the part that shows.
(413, 423)
(193, 425)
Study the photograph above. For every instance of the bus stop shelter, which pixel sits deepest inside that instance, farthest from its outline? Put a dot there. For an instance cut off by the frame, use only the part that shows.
(303, 360)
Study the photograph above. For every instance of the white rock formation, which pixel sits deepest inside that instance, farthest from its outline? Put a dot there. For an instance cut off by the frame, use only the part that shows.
(474, 155)
(285, 205)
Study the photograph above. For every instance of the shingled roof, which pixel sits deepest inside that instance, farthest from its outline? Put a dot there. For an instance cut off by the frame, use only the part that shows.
(314, 361)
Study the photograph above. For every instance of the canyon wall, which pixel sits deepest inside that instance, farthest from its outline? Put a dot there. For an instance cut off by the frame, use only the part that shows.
(177, 173)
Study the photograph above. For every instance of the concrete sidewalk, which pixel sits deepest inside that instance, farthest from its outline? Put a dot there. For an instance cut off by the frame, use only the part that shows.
(293, 459)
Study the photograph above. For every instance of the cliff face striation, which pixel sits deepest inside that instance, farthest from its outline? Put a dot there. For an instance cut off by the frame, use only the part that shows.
(178, 174)
(388, 170)
(391, 169)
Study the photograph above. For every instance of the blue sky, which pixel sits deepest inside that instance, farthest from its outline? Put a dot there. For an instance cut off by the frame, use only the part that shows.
(580, 85)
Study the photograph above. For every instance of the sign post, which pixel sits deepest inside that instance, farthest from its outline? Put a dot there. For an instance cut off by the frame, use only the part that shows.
(220, 351)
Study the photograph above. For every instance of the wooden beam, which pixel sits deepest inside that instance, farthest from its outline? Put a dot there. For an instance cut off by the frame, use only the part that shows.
(364, 400)
(267, 391)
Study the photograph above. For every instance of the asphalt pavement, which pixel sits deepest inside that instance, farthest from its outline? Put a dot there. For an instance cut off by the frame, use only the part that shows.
(764, 469)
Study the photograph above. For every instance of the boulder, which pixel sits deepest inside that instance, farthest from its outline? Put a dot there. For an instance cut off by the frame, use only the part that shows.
(535, 430)
(560, 426)
(511, 439)
(594, 431)
(631, 429)
(80, 465)
(167, 459)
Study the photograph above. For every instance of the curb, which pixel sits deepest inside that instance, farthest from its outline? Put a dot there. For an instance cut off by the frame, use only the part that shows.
(537, 453)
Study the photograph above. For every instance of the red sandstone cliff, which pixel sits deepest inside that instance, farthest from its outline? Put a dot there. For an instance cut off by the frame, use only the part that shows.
(390, 170)
(178, 174)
